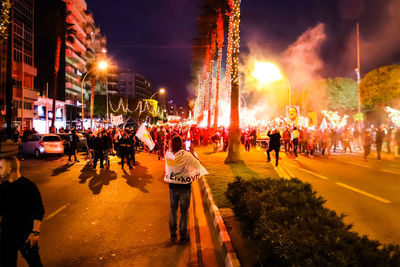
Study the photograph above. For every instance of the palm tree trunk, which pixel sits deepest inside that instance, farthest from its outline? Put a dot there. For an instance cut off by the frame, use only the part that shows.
(220, 42)
(92, 102)
(234, 154)
(56, 68)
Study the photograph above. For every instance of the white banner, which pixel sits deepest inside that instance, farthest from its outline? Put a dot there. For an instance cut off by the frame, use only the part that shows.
(182, 168)
(117, 120)
(145, 137)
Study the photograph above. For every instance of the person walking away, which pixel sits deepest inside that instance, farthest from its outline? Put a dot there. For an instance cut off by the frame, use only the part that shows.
(15, 136)
(107, 142)
(132, 143)
(125, 150)
(160, 142)
(73, 145)
(98, 147)
(388, 140)
(380, 136)
(89, 141)
(295, 136)
(21, 214)
(334, 136)
(286, 140)
(247, 142)
(181, 169)
(274, 145)
(367, 142)
(346, 137)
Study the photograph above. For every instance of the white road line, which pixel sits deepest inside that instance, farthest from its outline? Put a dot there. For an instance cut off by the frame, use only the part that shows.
(57, 212)
(364, 193)
(315, 174)
(357, 164)
(390, 171)
(288, 171)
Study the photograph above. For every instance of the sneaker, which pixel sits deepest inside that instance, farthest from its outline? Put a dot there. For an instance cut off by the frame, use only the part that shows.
(102, 168)
(269, 160)
(130, 167)
(174, 240)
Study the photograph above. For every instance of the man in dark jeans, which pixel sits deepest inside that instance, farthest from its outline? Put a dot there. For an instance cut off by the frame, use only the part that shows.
(179, 195)
(21, 213)
(98, 147)
(73, 145)
(274, 145)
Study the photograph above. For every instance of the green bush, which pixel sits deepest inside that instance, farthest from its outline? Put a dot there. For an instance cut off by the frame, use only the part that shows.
(289, 226)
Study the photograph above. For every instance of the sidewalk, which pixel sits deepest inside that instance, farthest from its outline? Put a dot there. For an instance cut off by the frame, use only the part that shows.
(8, 148)
(220, 174)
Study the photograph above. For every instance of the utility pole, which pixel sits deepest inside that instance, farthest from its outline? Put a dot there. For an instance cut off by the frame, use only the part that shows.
(358, 77)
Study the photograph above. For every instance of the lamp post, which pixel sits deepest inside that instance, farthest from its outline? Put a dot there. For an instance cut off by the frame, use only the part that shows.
(102, 66)
(161, 91)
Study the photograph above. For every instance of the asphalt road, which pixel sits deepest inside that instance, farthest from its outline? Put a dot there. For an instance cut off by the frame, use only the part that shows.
(104, 217)
(367, 192)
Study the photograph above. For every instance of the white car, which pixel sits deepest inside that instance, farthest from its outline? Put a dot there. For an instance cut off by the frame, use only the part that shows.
(41, 144)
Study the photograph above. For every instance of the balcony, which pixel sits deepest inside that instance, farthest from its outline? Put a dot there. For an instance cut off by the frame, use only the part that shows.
(28, 93)
(28, 69)
(28, 113)
(74, 56)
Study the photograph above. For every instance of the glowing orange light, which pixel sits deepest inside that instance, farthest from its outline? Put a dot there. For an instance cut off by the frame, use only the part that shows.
(266, 72)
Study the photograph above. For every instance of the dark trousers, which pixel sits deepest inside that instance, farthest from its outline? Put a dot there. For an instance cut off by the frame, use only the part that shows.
(133, 159)
(98, 155)
(295, 145)
(367, 150)
(179, 197)
(72, 152)
(286, 144)
(276, 149)
(9, 252)
(379, 149)
(125, 154)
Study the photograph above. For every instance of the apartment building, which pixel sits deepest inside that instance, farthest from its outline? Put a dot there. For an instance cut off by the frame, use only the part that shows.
(21, 69)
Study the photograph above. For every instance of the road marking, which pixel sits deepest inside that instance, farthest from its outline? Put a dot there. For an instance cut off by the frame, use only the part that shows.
(390, 171)
(57, 211)
(364, 193)
(315, 174)
(288, 171)
(356, 164)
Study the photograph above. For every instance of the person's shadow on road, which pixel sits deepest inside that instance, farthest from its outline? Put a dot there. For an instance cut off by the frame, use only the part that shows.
(103, 178)
(138, 177)
(61, 169)
(86, 173)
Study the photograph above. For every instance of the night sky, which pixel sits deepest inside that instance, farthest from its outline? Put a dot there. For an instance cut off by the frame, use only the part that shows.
(155, 38)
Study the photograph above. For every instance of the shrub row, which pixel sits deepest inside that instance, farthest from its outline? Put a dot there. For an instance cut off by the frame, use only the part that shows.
(289, 226)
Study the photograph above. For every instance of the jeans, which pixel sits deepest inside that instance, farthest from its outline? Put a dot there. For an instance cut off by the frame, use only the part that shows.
(295, 145)
(98, 155)
(179, 197)
(276, 149)
(9, 252)
(72, 152)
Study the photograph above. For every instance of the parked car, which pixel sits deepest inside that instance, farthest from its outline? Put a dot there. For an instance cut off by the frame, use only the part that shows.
(65, 138)
(41, 144)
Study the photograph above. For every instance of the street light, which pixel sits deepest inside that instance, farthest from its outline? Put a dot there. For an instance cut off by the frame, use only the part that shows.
(267, 73)
(102, 65)
(161, 91)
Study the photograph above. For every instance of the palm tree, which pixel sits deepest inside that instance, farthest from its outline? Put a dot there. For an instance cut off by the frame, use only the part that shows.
(63, 31)
(234, 154)
(220, 42)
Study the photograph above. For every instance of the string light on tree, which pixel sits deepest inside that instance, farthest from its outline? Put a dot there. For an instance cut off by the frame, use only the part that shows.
(394, 115)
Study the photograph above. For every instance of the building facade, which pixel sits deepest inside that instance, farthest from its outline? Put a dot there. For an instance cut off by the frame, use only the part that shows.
(17, 66)
(133, 85)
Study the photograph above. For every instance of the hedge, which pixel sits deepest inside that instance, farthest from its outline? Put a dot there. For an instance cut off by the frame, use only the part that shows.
(289, 226)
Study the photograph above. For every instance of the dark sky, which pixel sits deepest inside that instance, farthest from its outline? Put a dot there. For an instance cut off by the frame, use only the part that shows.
(154, 37)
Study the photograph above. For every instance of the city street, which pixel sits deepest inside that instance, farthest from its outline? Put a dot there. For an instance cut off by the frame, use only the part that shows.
(367, 192)
(104, 217)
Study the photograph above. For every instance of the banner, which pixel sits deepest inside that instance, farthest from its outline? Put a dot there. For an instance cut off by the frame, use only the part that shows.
(117, 120)
(145, 137)
(312, 118)
(182, 168)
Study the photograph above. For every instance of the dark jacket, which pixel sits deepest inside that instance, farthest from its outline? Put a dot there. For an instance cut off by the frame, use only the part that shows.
(274, 140)
(98, 144)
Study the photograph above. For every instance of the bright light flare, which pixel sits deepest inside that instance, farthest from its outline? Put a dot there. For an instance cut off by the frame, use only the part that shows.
(394, 115)
(162, 90)
(266, 72)
(103, 65)
(336, 120)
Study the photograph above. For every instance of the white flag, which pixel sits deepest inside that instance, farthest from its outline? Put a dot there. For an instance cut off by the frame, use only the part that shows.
(323, 125)
(145, 137)
(182, 168)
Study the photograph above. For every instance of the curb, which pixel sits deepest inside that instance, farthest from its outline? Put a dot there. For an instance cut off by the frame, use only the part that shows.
(225, 242)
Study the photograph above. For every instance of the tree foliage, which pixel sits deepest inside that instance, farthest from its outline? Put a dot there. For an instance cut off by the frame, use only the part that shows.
(381, 86)
(4, 18)
(342, 94)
